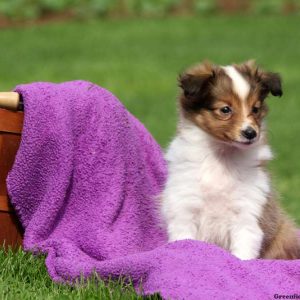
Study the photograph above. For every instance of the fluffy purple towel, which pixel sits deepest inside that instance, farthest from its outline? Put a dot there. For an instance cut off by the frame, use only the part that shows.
(83, 184)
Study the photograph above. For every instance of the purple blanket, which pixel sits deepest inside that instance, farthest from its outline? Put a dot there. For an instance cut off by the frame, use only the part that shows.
(83, 184)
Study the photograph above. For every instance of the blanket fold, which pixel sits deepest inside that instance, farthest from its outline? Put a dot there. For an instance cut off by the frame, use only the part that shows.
(84, 184)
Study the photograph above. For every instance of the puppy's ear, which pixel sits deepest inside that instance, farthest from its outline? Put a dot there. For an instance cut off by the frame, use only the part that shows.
(195, 84)
(270, 83)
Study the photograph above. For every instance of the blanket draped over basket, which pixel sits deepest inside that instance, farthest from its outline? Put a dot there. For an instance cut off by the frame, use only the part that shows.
(84, 185)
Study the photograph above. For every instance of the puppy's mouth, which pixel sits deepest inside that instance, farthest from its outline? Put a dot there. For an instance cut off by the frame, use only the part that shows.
(240, 142)
(244, 143)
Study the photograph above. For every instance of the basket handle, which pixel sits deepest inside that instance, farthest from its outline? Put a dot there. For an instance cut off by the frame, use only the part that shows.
(11, 101)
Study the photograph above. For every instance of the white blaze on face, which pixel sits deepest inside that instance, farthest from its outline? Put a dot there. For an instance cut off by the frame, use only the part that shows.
(242, 89)
(240, 85)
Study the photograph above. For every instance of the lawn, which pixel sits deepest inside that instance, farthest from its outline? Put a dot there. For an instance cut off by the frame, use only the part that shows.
(139, 60)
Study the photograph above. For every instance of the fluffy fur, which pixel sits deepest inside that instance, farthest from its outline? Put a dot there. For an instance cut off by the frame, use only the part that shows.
(218, 189)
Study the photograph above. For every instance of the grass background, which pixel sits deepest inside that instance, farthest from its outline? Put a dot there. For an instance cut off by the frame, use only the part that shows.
(139, 60)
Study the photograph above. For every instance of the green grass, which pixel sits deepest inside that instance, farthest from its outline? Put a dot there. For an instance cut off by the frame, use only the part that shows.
(139, 60)
(23, 277)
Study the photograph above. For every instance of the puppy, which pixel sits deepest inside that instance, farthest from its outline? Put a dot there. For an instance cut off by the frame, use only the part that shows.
(218, 189)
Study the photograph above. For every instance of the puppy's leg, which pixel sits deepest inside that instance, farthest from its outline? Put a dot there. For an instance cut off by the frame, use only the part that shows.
(246, 239)
(181, 205)
(182, 227)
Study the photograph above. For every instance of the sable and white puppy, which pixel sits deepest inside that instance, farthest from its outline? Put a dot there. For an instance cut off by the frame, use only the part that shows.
(218, 189)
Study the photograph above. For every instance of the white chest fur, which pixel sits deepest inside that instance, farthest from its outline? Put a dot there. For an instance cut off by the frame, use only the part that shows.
(215, 193)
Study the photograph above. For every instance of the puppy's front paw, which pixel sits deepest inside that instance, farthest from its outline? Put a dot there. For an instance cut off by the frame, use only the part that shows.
(181, 236)
(245, 255)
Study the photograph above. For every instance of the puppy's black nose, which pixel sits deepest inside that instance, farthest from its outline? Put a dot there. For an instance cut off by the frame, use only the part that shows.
(249, 133)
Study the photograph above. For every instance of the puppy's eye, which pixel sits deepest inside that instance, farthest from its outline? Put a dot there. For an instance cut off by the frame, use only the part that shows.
(255, 109)
(226, 110)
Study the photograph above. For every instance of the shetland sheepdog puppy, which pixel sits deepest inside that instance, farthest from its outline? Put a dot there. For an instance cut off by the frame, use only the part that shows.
(218, 189)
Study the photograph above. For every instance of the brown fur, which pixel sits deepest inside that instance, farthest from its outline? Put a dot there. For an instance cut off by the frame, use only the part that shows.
(206, 88)
(281, 240)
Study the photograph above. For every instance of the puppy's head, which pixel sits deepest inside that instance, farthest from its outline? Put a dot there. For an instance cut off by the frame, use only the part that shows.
(228, 102)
